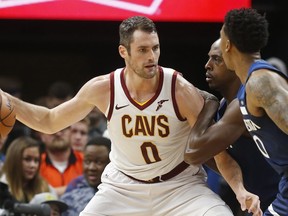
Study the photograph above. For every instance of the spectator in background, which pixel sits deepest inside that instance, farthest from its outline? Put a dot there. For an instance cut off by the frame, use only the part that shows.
(278, 63)
(58, 92)
(60, 163)
(21, 170)
(82, 189)
(57, 207)
(79, 134)
(2, 155)
(98, 123)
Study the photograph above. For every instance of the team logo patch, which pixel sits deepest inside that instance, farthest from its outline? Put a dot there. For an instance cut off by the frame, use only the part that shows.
(160, 104)
(120, 107)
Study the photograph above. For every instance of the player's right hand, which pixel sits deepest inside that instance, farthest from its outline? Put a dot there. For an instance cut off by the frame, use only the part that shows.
(250, 202)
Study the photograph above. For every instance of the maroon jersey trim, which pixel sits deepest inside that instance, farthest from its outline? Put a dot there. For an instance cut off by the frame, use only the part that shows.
(112, 95)
(148, 103)
(173, 88)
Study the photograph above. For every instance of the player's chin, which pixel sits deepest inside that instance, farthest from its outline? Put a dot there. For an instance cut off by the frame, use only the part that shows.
(94, 182)
(212, 86)
(150, 72)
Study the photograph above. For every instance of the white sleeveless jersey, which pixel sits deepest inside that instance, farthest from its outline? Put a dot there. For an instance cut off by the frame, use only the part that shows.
(148, 140)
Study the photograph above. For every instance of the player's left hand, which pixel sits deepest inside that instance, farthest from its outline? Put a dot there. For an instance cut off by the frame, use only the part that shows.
(250, 202)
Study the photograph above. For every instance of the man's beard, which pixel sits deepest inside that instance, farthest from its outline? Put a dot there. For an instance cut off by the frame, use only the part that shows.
(58, 145)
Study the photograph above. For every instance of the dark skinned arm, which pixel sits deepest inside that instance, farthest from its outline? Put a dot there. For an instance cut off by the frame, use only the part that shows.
(206, 140)
(231, 172)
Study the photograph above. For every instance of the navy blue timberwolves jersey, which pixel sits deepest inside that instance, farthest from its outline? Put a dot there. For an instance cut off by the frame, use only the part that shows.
(253, 165)
(271, 141)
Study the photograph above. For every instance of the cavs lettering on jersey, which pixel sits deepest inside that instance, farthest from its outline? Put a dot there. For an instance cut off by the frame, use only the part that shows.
(152, 135)
(271, 141)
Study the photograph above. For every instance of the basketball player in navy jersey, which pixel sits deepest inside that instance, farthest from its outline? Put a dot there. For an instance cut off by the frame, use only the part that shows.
(259, 177)
(150, 110)
(263, 99)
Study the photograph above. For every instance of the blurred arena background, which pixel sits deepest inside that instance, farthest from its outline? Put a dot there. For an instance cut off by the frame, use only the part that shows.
(36, 52)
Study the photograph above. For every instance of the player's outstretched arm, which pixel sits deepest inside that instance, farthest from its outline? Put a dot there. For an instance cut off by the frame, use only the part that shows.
(269, 91)
(94, 93)
(231, 172)
(206, 140)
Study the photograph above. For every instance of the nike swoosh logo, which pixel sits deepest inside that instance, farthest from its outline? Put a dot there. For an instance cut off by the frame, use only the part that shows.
(120, 107)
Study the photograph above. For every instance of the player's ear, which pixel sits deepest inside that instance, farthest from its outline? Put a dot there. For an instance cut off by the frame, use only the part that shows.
(227, 45)
(122, 51)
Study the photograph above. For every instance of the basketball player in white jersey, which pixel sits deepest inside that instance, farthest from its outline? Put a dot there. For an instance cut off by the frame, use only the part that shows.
(150, 111)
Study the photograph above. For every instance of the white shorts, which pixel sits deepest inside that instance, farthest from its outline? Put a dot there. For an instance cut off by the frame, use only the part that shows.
(183, 195)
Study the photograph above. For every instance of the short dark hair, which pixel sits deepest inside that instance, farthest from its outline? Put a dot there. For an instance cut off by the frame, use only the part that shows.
(100, 140)
(128, 26)
(246, 29)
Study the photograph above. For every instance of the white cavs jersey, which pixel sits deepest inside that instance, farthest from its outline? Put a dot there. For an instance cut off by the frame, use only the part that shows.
(148, 140)
(148, 144)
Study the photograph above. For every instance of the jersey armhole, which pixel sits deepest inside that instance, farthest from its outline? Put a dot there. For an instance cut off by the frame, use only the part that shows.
(173, 90)
(112, 94)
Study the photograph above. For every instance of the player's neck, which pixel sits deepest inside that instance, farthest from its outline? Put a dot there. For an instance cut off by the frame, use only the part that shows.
(244, 63)
(231, 90)
(141, 86)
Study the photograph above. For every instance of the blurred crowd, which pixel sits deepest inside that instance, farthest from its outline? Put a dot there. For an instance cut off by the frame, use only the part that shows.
(61, 170)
